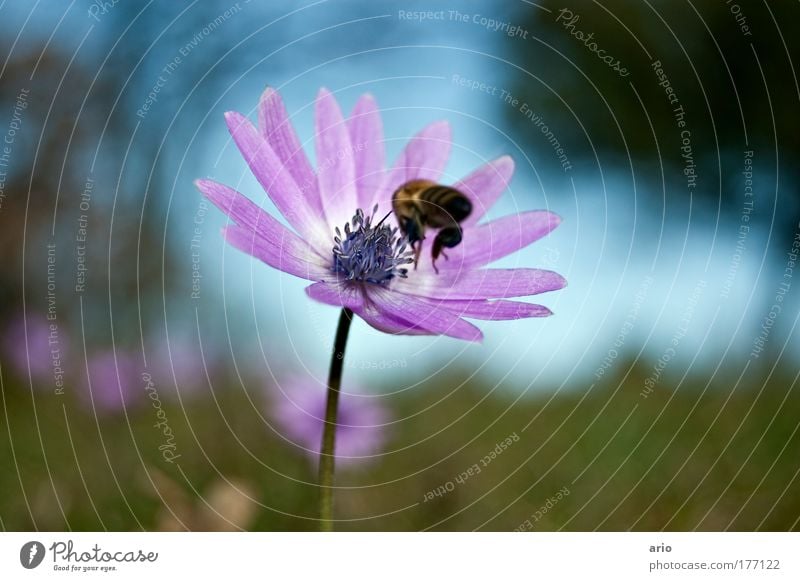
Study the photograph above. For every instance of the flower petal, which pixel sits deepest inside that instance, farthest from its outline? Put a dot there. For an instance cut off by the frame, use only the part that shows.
(387, 323)
(390, 312)
(285, 252)
(337, 294)
(481, 283)
(366, 135)
(424, 315)
(250, 216)
(499, 310)
(272, 239)
(424, 157)
(277, 128)
(336, 171)
(484, 186)
(491, 241)
(278, 182)
(350, 296)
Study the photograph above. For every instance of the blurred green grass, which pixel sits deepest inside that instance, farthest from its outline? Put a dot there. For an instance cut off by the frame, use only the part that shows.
(694, 455)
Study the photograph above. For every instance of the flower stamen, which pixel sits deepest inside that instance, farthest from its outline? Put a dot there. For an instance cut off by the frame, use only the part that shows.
(370, 253)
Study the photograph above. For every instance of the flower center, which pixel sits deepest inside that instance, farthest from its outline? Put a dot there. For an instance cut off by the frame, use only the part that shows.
(370, 253)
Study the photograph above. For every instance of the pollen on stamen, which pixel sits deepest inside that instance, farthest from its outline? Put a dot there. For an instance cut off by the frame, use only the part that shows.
(370, 253)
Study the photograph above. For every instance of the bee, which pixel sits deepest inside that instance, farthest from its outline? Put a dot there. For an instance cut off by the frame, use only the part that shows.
(421, 204)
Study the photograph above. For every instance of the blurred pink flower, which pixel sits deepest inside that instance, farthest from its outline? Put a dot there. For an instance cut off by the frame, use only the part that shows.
(115, 381)
(23, 347)
(355, 258)
(299, 411)
(179, 366)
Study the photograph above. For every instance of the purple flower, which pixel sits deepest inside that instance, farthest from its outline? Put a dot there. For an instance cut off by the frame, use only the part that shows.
(179, 365)
(27, 342)
(113, 383)
(358, 259)
(299, 411)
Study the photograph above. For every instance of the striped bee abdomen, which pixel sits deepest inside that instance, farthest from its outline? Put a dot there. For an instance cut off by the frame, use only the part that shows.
(444, 206)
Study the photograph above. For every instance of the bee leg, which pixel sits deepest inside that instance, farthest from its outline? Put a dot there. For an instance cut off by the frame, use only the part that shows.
(417, 250)
(446, 238)
(435, 252)
(434, 258)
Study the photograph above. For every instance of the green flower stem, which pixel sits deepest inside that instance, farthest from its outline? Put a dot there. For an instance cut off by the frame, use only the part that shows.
(327, 458)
